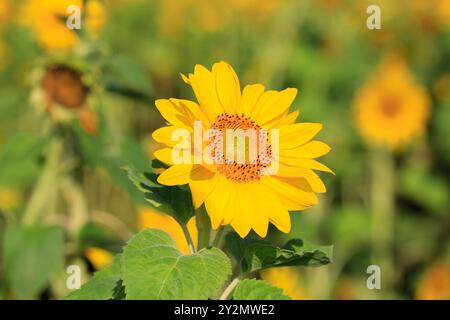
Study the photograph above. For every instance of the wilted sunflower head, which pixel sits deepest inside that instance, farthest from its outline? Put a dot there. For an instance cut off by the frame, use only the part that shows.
(241, 153)
(391, 109)
(64, 85)
(64, 93)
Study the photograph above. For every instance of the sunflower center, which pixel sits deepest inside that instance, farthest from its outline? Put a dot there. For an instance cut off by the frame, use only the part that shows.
(390, 106)
(248, 144)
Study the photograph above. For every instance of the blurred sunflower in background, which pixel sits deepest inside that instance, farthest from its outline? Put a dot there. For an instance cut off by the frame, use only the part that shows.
(98, 257)
(233, 192)
(288, 279)
(391, 109)
(47, 19)
(63, 92)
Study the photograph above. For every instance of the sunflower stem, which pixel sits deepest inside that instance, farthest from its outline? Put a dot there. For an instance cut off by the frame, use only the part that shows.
(218, 237)
(188, 237)
(229, 289)
(203, 227)
(45, 186)
(383, 218)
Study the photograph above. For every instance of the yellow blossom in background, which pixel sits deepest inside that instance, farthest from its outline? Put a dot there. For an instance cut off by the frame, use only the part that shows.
(256, 8)
(430, 15)
(151, 218)
(98, 257)
(5, 12)
(177, 15)
(435, 283)
(47, 18)
(9, 199)
(96, 17)
(211, 15)
(286, 278)
(239, 193)
(391, 109)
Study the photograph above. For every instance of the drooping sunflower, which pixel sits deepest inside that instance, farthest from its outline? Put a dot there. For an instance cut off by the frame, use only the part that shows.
(239, 193)
(391, 109)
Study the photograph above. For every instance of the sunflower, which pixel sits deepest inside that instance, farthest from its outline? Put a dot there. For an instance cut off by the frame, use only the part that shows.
(391, 109)
(288, 279)
(150, 218)
(47, 18)
(242, 193)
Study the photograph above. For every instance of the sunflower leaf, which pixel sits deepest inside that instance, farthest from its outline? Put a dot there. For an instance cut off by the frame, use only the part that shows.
(257, 254)
(252, 289)
(104, 285)
(172, 200)
(32, 256)
(153, 268)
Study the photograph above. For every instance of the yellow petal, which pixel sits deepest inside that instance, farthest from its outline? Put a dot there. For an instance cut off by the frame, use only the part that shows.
(313, 179)
(283, 120)
(171, 112)
(295, 135)
(306, 163)
(217, 202)
(241, 222)
(274, 209)
(164, 135)
(274, 105)
(204, 85)
(227, 86)
(177, 174)
(293, 192)
(202, 187)
(313, 149)
(250, 97)
(258, 212)
(193, 112)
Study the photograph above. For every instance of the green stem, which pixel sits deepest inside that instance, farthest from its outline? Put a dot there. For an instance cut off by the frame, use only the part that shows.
(188, 238)
(203, 227)
(218, 237)
(229, 289)
(382, 202)
(46, 184)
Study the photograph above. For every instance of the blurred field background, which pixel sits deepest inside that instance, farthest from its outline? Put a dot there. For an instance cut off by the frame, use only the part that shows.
(77, 105)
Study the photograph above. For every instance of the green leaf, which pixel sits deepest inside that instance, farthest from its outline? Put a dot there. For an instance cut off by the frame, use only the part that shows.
(104, 285)
(172, 200)
(256, 254)
(252, 289)
(153, 268)
(19, 159)
(129, 74)
(32, 256)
